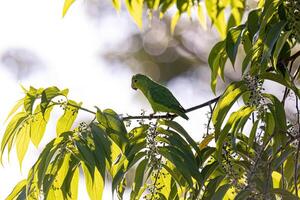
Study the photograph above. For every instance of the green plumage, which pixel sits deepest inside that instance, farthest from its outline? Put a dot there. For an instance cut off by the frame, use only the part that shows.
(160, 98)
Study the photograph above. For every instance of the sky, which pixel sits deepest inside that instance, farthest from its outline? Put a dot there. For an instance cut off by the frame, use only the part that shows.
(68, 52)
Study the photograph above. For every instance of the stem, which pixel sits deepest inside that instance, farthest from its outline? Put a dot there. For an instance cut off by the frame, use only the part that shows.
(298, 148)
(173, 115)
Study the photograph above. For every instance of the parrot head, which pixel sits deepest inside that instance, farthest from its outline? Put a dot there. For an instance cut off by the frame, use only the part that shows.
(138, 81)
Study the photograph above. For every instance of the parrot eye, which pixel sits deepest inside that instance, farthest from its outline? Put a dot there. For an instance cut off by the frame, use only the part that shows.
(135, 80)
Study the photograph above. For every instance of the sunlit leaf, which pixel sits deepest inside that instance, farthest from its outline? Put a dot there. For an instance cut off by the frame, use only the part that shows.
(206, 141)
(94, 183)
(135, 8)
(15, 108)
(231, 94)
(38, 125)
(22, 142)
(13, 127)
(138, 180)
(279, 44)
(19, 191)
(174, 21)
(67, 5)
(66, 121)
(233, 40)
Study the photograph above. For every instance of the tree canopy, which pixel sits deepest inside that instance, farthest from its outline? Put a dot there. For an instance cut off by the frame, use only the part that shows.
(250, 152)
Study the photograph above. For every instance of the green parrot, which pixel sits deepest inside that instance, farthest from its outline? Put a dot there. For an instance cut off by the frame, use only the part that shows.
(160, 98)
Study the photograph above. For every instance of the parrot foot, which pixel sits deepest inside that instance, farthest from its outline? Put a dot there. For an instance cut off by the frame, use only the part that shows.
(151, 115)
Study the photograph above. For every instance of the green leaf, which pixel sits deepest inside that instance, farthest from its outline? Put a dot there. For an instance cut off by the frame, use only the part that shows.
(237, 11)
(135, 8)
(94, 182)
(215, 10)
(216, 60)
(174, 21)
(174, 125)
(179, 163)
(253, 22)
(67, 5)
(138, 180)
(230, 96)
(48, 94)
(252, 133)
(284, 194)
(117, 4)
(66, 121)
(272, 37)
(220, 193)
(38, 125)
(233, 40)
(279, 44)
(15, 108)
(29, 99)
(22, 142)
(235, 117)
(19, 191)
(13, 127)
(204, 143)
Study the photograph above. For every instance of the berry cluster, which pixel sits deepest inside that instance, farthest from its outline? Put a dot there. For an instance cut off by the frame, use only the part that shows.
(292, 9)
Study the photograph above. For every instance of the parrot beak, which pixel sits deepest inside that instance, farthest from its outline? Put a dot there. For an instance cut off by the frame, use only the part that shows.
(133, 87)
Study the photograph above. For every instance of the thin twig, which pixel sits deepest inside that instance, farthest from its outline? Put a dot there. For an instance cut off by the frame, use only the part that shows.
(173, 115)
(298, 148)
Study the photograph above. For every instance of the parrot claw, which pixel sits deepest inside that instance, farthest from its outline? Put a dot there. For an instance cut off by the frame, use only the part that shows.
(151, 115)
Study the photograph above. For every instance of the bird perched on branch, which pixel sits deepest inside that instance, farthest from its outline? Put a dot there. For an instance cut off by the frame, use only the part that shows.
(160, 98)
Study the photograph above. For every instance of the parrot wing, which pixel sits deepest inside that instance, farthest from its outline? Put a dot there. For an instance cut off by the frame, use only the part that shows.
(164, 100)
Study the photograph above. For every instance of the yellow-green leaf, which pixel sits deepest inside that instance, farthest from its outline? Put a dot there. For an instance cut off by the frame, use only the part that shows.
(67, 5)
(22, 142)
(94, 183)
(38, 125)
(117, 4)
(206, 141)
(12, 129)
(15, 108)
(66, 121)
(174, 21)
(18, 191)
(135, 8)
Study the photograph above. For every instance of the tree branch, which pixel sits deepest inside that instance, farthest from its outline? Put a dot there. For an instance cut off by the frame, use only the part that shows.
(172, 115)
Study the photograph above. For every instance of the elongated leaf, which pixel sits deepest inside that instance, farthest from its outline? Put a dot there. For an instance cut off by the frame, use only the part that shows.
(231, 94)
(279, 44)
(48, 94)
(203, 144)
(135, 8)
(253, 133)
(284, 193)
(272, 37)
(233, 40)
(22, 142)
(94, 183)
(178, 162)
(38, 125)
(174, 21)
(12, 129)
(174, 125)
(216, 60)
(220, 193)
(66, 121)
(67, 5)
(215, 10)
(19, 191)
(15, 108)
(138, 180)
